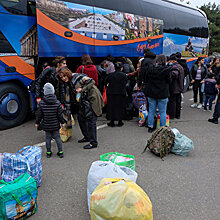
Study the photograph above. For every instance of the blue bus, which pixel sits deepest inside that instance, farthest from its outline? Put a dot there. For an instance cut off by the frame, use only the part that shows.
(33, 31)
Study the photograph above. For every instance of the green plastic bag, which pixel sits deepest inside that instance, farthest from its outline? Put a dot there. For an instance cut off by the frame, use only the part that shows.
(125, 160)
(18, 199)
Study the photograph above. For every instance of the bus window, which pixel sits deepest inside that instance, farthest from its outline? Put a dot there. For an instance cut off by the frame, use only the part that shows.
(5, 46)
(18, 7)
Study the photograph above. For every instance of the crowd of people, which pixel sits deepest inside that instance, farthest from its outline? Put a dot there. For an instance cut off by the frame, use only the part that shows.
(160, 78)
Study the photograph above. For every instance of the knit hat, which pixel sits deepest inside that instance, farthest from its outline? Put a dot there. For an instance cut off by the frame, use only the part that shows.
(48, 89)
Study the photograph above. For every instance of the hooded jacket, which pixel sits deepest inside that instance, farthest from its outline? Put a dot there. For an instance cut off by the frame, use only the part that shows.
(177, 74)
(158, 79)
(50, 113)
(148, 60)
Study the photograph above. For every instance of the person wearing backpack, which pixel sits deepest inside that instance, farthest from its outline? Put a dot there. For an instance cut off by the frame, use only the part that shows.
(176, 88)
(50, 114)
(158, 79)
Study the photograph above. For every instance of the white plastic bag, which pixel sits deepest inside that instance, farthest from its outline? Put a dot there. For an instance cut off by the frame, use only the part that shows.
(101, 169)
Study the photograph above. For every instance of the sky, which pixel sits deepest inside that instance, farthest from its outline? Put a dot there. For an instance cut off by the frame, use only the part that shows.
(198, 3)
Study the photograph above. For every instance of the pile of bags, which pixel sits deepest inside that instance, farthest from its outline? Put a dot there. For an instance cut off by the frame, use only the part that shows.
(112, 190)
(20, 175)
(165, 140)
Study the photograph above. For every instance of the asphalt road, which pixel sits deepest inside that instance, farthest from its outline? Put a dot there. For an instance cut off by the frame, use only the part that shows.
(180, 188)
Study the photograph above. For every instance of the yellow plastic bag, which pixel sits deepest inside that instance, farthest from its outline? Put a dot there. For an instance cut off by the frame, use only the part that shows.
(66, 133)
(118, 199)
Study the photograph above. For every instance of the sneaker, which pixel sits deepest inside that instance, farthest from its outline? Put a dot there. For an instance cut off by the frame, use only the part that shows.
(49, 154)
(199, 106)
(213, 120)
(193, 105)
(150, 130)
(60, 154)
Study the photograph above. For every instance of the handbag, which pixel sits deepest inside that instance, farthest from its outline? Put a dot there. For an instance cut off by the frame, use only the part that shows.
(104, 96)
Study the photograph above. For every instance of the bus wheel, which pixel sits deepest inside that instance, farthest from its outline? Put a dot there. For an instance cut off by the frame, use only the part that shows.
(186, 83)
(13, 105)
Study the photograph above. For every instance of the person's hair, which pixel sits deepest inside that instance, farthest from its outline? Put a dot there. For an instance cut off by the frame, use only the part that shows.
(178, 55)
(44, 65)
(199, 59)
(58, 59)
(118, 66)
(110, 58)
(86, 60)
(122, 59)
(210, 75)
(65, 71)
(172, 57)
(161, 60)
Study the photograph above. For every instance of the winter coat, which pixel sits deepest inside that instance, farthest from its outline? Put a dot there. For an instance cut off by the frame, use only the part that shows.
(177, 74)
(50, 113)
(145, 64)
(194, 69)
(90, 70)
(88, 86)
(116, 82)
(210, 88)
(216, 71)
(47, 76)
(158, 79)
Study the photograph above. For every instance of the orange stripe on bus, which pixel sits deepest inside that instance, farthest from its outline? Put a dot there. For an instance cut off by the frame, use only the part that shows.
(21, 66)
(196, 58)
(58, 29)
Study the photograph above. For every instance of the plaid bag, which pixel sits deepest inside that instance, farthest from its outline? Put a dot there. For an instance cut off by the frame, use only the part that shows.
(161, 141)
(27, 159)
(33, 155)
(139, 99)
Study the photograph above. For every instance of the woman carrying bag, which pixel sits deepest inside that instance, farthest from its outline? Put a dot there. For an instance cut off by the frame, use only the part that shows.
(91, 103)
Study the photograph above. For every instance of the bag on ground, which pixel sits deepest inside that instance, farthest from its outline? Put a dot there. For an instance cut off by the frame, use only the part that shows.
(120, 199)
(100, 170)
(139, 99)
(18, 199)
(182, 144)
(27, 159)
(167, 121)
(142, 115)
(65, 132)
(125, 160)
(161, 141)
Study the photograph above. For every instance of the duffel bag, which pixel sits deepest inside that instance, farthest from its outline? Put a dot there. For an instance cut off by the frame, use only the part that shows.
(18, 199)
(139, 99)
(27, 159)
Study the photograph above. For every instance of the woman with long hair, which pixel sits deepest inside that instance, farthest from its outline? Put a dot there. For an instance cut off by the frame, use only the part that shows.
(88, 68)
(198, 73)
(90, 100)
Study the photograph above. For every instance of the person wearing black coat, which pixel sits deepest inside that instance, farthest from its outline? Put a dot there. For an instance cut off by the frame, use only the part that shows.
(149, 58)
(116, 95)
(198, 72)
(158, 79)
(50, 115)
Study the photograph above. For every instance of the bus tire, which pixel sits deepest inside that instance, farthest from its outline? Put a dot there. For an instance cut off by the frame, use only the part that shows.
(186, 83)
(9, 92)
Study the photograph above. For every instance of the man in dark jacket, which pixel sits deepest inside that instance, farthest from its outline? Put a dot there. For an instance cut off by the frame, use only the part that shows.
(183, 63)
(176, 88)
(216, 113)
(149, 57)
(51, 114)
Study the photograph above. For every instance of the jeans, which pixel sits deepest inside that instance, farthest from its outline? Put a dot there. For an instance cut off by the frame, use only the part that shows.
(56, 136)
(162, 105)
(88, 128)
(209, 98)
(197, 88)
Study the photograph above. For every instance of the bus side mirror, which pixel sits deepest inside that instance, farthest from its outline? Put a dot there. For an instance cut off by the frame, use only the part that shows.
(10, 69)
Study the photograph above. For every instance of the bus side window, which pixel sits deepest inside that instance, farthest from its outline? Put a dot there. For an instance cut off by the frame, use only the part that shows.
(18, 7)
(5, 46)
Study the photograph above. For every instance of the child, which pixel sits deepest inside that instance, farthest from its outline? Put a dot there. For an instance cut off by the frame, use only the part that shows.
(210, 90)
(50, 112)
